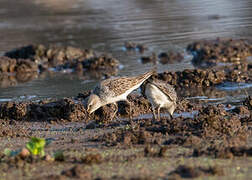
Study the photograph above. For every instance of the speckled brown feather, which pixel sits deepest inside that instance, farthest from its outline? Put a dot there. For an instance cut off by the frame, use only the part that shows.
(117, 86)
(165, 88)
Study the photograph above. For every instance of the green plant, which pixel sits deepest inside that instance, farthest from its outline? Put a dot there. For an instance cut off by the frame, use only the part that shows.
(59, 156)
(36, 146)
(9, 152)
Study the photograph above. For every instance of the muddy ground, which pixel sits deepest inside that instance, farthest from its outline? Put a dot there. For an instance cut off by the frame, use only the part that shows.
(201, 141)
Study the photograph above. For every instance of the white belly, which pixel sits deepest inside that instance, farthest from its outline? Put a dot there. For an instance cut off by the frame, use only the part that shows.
(156, 96)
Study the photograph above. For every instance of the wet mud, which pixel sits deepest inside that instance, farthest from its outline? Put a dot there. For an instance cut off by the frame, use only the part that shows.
(63, 57)
(28, 62)
(132, 46)
(170, 57)
(211, 52)
(194, 172)
(163, 58)
(207, 78)
(65, 109)
(214, 132)
(101, 146)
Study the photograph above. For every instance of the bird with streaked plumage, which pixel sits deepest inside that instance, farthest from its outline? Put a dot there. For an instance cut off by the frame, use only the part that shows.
(110, 91)
(161, 95)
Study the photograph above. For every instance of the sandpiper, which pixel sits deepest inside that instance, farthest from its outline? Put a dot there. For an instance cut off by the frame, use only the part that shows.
(112, 90)
(160, 95)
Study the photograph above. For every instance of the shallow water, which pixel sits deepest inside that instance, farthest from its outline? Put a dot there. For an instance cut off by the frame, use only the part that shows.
(106, 25)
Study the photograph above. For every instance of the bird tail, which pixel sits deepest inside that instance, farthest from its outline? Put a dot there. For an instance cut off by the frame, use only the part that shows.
(147, 75)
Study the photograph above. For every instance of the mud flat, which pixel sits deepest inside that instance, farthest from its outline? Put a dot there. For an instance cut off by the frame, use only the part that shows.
(30, 62)
(214, 142)
(211, 52)
(202, 140)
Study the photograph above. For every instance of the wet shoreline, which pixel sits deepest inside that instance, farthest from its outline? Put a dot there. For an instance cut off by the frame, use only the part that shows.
(57, 50)
(216, 131)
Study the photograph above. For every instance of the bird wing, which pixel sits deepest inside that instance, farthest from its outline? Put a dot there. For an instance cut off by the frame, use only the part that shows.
(115, 86)
(166, 89)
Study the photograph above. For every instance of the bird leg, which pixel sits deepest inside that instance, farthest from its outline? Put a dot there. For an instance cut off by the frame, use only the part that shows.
(158, 110)
(153, 112)
(116, 110)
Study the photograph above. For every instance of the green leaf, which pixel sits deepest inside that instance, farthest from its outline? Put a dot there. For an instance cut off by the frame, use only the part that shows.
(36, 146)
(7, 152)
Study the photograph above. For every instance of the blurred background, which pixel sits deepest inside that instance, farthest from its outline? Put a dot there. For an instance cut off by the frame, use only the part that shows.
(105, 25)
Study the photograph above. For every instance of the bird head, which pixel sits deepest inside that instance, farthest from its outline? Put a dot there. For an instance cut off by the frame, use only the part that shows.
(93, 103)
(172, 108)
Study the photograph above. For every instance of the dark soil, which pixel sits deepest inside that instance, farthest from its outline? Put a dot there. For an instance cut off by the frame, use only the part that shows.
(132, 46)
(210, 52)
(170, 57)
(26, 63)
(98, 147)
(63, 57)
(194, 172)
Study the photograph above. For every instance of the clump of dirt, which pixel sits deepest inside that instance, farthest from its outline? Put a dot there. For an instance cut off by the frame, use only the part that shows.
(49, 56)
(193, 78)
(208, 77)
(213, 123)
(14, 110)
(248, 102)
(66, 109)
(186, 171)
(9, 129)
(149, 59)
(140, 105)
(210, 52)
(186, 141)
(104, 115)
(83, 95)
(170, 58)
(150, 151)
(239, 73)
(228, 148)
(19, 161)
(135, 46)
(184, 105)
(65, 58)
(8, 65)
(53, 177)
(100, 63)
(128, 136)
(92, 159)
(242, 111)
(76, 172)
(217, 121)
(163, 58)
(71, 109)
(222, 132)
